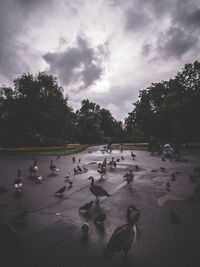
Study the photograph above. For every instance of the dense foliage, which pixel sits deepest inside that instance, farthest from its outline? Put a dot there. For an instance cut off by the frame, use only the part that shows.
(168, 110)
(36, 112)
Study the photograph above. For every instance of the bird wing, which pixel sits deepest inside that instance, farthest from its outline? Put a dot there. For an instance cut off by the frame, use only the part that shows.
(121, 238)
(98, 190)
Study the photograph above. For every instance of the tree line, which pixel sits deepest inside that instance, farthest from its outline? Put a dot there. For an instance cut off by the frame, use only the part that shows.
(35, 112)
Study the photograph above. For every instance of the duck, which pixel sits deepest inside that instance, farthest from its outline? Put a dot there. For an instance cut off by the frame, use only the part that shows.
(97, 190)
(18, 181)
(129, 178)
(53, 168)
(33, 169)
(123, 236)
(102, 171)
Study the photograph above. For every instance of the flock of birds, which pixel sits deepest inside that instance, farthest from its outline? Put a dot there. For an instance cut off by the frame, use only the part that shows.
(124, 235)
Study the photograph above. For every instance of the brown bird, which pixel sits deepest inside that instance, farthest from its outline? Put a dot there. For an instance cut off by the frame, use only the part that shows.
(124, 235)
(104, 163)
(129, 178)
(97, 190)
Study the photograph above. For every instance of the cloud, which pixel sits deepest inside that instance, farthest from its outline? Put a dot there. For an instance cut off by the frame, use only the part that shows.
(79, 66)
(136, 20)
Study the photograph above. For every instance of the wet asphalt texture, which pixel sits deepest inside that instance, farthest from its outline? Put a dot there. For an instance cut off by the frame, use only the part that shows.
(51, 233)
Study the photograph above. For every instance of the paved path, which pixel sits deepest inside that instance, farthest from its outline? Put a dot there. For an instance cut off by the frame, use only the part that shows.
(51, 234)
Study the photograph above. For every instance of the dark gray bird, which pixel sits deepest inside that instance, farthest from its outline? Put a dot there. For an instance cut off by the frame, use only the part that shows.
(79, 168)
(86, 207)
(73, 159)
(114, 164)
(168, 186)
(137, 168)
(70, 184)
(79, 160)
(133, 155)
(85, 169)
(61, 190)
(100, 219)
(75, 171)
(126, 175)
(122, 158)
(174, 218)
(117, 160)
(20, 218)
(173, 177)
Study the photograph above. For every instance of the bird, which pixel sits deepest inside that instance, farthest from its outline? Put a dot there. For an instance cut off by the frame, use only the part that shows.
(70, 184)
(75, 171)
(122, 157)
(73, 159)
(61, 190)
(18, 181)
(85, 227)
(79, 168)
(124, 235)
(117, 160)
(102, 171)
(136, 168)
(174, 218)
(79, 160)
(126, 175)
(173, 177)
(20, 218)
(133, 155)
(3, 189)
(100, 219)
(86, 207)
(33, 169)
(162, 169)
(104, 163)
(67, 175)
(38, 180)
(114, 163)
(97, 190)
(53, 168)
(168, 186)
(163, 159)
(85, 169)
(130, 178)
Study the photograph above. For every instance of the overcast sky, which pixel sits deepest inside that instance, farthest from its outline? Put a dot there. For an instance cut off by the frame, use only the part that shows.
(103, 50)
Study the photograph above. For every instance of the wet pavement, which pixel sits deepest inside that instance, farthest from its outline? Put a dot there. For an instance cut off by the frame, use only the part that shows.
(51, 233)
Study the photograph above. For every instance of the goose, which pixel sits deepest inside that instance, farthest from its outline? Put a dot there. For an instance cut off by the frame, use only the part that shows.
(97, 190)
(19, 181)
(85, 169)
(33, 169)
(86, 207)
(124, 235)
(53, 168)
(102, 171)
(104, 163)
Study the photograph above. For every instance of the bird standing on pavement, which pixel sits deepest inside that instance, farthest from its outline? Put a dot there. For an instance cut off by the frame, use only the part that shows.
(61, 191)
(129, 178)
(19, 181)
(97, 190)
(53, 168)
(133, 155)
(123, 236)
(86, 207)
(33, 169)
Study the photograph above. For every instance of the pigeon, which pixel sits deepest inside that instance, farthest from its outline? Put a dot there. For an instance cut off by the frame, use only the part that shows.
(67, 175)
(122, 158)
(20, 218)
(61, 190)
(85, 169)
(70, 184)
(137, 168)
(174, 218)
(73, 159)
(168, 186)
(100, 219)
(79, 160)
(114, 164)
(75, 171)
(53, 168)
(85, 227)
(86, 207)
(133, 155)
(79, 168)
(118, 160)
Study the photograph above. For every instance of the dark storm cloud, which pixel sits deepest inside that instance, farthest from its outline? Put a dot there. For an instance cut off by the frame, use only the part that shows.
(80, 64)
